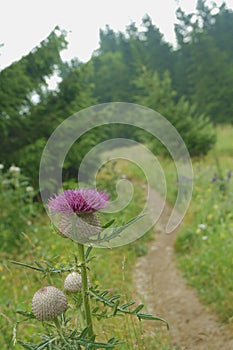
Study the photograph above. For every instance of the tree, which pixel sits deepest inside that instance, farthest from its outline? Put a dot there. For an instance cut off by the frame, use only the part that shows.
(25, 125)
(195, 129)
(121, 56)
(110, 77)
(211, 80)
(19, 82)
(203, 69)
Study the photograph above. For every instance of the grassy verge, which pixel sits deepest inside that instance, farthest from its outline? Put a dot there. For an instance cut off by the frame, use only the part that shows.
(205, 244)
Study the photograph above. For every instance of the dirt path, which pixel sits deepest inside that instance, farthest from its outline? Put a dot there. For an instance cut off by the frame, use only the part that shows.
(162, 288)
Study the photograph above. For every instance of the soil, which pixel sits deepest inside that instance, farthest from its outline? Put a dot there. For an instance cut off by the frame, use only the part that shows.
(161, 286)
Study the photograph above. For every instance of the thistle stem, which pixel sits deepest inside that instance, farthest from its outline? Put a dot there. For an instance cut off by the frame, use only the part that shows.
(85, 295)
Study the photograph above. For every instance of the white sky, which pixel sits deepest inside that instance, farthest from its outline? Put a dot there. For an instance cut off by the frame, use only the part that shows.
(24, 23)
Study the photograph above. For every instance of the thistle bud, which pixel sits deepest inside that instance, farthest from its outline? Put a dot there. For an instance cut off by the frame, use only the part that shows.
(48, 303)
(73, 282)
(79, 227)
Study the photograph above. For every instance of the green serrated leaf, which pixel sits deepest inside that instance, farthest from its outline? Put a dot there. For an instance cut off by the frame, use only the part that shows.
(84, 333)
(26, 265)
(44, 344)
(27, 346)
(95, 310)
(114, 297)
(138, 308)
(88, 251)
(49, 264)
(124, 306)
(116, 308)
(39, 264)
(108, 224)
(27, 314)
(150, 317)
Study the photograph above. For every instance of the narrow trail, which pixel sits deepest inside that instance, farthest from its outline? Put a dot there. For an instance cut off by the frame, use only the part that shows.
(161, 287)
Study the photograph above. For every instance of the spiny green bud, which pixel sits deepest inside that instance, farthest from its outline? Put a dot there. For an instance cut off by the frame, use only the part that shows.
(48, 303)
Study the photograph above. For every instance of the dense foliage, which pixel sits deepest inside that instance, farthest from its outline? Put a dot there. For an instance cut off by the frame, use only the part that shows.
(18, 208)
(200, 66)
(191, 85)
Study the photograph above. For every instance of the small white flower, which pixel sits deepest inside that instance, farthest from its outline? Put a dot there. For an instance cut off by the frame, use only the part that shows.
(14, 169)
(5, 182)
(29, 189)
(204, 238)
(202, 226)
(1, 166)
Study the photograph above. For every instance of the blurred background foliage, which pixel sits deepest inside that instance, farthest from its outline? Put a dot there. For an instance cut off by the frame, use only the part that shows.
(191, 85)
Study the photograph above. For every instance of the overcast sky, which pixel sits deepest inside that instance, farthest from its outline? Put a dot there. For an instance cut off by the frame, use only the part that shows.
(24, 23)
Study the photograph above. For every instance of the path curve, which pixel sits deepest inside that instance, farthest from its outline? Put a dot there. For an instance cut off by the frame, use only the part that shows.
(161, 287)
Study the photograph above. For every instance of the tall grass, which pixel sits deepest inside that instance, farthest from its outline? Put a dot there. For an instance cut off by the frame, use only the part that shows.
(205, 244)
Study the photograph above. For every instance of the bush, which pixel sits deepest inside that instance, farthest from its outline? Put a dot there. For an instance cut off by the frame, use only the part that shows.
(195, 129)
(16, 205)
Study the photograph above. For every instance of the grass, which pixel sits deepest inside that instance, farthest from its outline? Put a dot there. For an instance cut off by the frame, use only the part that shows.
(205, 243)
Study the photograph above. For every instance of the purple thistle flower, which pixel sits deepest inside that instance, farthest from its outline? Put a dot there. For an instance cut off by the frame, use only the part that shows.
(229, 174)
(214, 178)
(73, 211)
(78, 201)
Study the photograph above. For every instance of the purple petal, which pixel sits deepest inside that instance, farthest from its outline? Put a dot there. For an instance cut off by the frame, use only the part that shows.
(78, 201)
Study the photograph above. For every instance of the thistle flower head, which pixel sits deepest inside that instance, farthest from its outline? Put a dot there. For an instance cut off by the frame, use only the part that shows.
(73, 282)
(78, 201)
(74, 212)
(48, 303)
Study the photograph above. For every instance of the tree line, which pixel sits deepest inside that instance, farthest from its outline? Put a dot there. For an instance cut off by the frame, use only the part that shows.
(191, 85)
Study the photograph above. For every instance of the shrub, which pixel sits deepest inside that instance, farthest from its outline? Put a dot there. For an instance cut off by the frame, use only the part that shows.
(16, 206)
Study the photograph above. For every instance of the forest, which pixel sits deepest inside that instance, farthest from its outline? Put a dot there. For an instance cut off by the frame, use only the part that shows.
(190, 84)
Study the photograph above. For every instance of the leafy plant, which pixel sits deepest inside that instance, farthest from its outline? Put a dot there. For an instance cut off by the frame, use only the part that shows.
(17, 207)
(50, 305)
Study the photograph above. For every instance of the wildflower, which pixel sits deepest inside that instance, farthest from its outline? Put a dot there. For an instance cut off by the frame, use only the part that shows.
(214, 178)
(229, 174)
(202, 226)
(29, 189)
(78, 201)
(1, 166)
(5, 182)
(74, 212)
(204, 238)
(73, 282)
(48, 303)
(14, 169)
